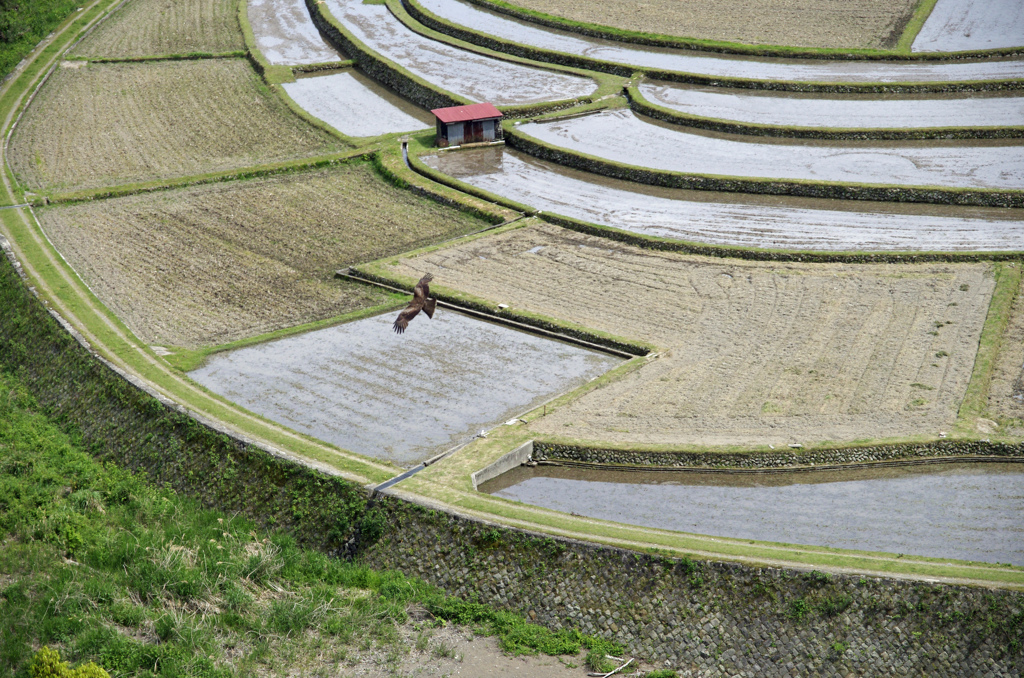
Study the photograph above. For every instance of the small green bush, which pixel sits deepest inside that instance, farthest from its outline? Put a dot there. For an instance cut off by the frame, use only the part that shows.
(47, 664)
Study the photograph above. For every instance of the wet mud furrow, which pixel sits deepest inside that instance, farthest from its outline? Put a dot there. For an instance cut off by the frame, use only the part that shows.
(793, 70)
(850, 112)
(464, 73)
(657, 147)
(705, 218)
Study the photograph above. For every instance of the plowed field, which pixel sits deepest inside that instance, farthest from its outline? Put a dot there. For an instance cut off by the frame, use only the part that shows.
(818, 23)
(152, 27)
(107, 124)
(752, 352)
(207, 265)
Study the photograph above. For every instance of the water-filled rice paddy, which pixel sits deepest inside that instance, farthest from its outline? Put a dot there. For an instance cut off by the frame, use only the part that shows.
(961, 511)
(356, 105)
(956, 25)
(285, 33)
(405, 397)
(729, 219)
(962, 165)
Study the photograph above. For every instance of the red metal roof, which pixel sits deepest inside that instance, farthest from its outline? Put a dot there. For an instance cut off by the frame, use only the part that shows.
(464, 113)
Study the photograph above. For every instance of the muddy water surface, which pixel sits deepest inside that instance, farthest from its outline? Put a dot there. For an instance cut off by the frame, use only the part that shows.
(403, 397)
(719, 219)
(977, 165)
(356, 105)
(804, 70)
(966, 512)
(473, 76)
(795, 110)
(956, 25)
(286, 35)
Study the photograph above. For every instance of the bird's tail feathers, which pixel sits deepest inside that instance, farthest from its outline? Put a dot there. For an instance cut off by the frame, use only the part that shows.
(428, 307)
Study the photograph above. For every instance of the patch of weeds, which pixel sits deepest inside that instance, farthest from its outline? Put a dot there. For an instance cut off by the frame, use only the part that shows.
(444, 650)
(833, 605)
(661, 673)
(798, 609)
(965, 287)
(925, 387)
(941, 354)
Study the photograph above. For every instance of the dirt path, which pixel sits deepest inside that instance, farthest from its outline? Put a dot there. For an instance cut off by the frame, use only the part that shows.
(753, 353)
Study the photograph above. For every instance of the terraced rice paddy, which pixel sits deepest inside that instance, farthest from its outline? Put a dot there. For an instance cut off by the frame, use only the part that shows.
(729, 219)
(154, 27)
(285, 33)
(473, 76)
(724, 66)
(970, 512)
(956, 25)
(356, 105)
(107, 124)
(823, 23)
(211, 264)
(963, 165)
(749, 353)
(851, 111)
(404, 397)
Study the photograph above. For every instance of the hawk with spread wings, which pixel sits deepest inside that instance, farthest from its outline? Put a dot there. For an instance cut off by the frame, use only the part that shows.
(420, 302)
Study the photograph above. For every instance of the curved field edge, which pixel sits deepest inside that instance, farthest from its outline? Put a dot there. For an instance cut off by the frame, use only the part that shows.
(643, 106)
(901, 52)
(420, 145)
(56, 284)
(983, 197)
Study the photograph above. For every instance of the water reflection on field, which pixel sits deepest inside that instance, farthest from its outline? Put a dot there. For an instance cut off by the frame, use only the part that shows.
(960, 511)
(403, 397)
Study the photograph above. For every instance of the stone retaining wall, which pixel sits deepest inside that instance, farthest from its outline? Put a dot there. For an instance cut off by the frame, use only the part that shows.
(713, 619)
(785, 458)
(704, 618)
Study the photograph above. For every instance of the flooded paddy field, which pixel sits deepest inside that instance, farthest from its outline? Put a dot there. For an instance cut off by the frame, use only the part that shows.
(957, 25)
(285, 33)
(404, 397)
(961, 165)
(355, 105)
(206, 265)
(474, 76)
(725, 66)
(823, 23)
(961, 511)
(108, 124)
(748, 352)
(155, 27)
(724, 218)
(851, 111)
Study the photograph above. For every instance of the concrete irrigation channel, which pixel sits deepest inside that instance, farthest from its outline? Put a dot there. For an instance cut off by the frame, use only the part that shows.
(511, 30)
(285, 33)
(729, 219)
(655, 146)
(473, 76)
(401, 398)
(849, 111)
(963, 511)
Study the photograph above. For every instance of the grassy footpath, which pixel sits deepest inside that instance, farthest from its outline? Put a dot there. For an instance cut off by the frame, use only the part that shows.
(109, 568)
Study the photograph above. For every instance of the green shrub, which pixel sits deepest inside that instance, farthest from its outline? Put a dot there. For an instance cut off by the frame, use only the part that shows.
(47, 664)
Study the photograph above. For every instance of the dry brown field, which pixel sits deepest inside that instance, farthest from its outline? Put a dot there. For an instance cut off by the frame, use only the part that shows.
(818, 23)
(749, 352)
(211, 264)
(1006, 394)
(100, 125)
(153, 27)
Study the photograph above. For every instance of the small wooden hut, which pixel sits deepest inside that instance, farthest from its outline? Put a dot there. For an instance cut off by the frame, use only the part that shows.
(475, 123)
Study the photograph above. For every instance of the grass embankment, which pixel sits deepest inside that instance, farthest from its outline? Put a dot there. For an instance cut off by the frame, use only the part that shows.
(24, 24)
(109, 568)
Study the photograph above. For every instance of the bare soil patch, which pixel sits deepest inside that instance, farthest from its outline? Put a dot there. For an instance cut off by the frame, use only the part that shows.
(212, 264)
(109, 124)
(751, 352)
(152, 27)
(814, 23)
(1006, 394)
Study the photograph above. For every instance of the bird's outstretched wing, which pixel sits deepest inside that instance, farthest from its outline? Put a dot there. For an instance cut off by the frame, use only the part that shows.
(402, 321)
(422, 289)
(420, 302)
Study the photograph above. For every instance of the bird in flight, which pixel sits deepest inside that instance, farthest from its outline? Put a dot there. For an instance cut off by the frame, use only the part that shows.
(420, 302)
